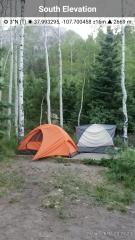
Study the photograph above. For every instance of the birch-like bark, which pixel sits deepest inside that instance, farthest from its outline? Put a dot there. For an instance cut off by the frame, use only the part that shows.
(16, 82)
(123, 87)
(10, 83)
(60, 79)
(20, 85)
(41, 110)
(16, 75)
(82, 97)
(48, 78)
(21, 79)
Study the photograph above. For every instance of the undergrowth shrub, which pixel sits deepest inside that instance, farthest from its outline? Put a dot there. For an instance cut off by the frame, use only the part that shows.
(7, 147)
(122, 168)
(119, 189)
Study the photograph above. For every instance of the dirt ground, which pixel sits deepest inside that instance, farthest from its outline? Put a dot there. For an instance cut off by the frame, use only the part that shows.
(22, 216)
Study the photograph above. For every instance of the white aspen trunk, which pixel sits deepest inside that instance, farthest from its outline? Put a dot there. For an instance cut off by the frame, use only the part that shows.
(60, 80)
(21, 79)
(123, 87)
(16, 75)
(20, 86)
(10, 83)
(82, 97)
(41, 111)
(16, 83)
(48, 78)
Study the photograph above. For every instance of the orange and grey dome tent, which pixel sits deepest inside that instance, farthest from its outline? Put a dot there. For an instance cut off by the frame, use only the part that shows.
(48, 140)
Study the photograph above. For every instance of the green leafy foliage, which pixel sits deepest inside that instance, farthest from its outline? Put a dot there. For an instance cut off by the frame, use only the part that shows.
(5, 145)
(3, 105)
(123, 169)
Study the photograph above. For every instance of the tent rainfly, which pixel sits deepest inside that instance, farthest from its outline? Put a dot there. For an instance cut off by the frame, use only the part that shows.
(95, 137)
(48, 140)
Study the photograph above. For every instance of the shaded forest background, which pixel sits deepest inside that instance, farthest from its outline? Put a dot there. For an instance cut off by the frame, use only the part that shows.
(94, 63)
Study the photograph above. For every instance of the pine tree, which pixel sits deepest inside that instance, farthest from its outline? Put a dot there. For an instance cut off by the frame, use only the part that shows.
(106, 89)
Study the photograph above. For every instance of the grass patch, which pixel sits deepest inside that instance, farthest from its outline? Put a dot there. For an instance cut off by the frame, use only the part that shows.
(121, 172)
(113, 197)
(104, 162)
(109, 193)
(10, 182)
(122, 169)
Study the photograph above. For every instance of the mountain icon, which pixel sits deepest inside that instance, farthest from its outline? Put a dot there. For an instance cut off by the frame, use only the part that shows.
(109, 22)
